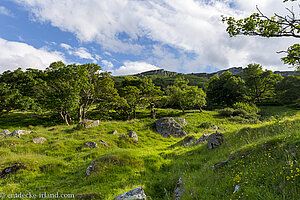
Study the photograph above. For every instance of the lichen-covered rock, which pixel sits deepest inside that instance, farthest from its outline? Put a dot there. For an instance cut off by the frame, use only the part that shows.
(167, 127)
(214, 140)
(18, 133)
(12, 169)
(90, 145)
(39, 140)
(202, 139)
(133, 135)
(182, 121)
(90, 168)
(88, 124)
(188, 140)
(137, 193)
(5, 133)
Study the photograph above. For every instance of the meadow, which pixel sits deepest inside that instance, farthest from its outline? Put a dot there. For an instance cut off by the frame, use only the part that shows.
(263, 157)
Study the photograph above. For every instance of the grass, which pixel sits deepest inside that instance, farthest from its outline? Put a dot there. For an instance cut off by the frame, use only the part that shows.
(263, 158)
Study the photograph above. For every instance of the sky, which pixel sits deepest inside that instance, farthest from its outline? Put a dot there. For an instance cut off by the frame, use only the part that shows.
(132, 36)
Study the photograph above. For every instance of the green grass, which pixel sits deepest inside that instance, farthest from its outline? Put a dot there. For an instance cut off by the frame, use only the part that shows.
(264, 157)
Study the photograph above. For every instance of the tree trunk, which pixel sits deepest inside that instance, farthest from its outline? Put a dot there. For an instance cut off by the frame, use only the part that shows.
(153, 112)
(80, 113)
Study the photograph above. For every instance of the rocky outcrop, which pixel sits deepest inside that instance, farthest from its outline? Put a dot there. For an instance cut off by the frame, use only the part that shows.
(182, 121)
(133, 135)
(91, 145)
(39, 140)
(88, 124)
(18, 133)
(188, 140)
(214, 140)
(5, 133)
(137, 193)
(167, 127)
(12, 169)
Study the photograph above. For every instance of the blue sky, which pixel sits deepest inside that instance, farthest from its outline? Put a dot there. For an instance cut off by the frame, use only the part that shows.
(131, 36)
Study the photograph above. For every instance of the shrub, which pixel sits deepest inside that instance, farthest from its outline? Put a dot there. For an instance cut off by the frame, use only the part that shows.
(206, 125)
(249, 108)
(227, 112)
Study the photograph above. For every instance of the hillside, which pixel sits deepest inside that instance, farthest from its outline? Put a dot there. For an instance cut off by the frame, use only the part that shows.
(263, 158)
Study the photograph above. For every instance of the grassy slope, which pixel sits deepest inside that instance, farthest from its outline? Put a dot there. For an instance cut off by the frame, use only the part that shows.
(264, 158)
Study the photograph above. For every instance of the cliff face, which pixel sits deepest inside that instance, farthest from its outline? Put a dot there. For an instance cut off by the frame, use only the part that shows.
(233, 70)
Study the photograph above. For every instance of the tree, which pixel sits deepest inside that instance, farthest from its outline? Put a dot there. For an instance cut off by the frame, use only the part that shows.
(261, 84)
(258, 24)
(132, 96)
(288, 91)
(226, 90)
(185, 96)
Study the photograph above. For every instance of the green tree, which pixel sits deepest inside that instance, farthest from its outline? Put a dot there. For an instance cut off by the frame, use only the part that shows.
(261, 84)
(288, 91)
(226, 90)
(185, 96)
(132, 95)
(258, 24)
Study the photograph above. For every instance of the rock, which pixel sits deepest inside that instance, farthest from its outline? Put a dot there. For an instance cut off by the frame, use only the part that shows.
(113, 132)
(52, 129)
(18, 133)
(214, 140)
(214, 127)
(202, 139)
(137, 193)
(5, 133)
(103, 143)
(39, 140)
(88, 123)
(178, 190)
(90, 145)
(133, 135)
(90, 169)
(12, 169)
(167, 127)
(219, 164)
(188, 140)
(182, 121)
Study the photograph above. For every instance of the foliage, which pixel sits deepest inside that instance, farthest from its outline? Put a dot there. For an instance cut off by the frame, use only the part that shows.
(249, 108)
(259, 24)
(288, 91)
(261, 84)
(226, 90)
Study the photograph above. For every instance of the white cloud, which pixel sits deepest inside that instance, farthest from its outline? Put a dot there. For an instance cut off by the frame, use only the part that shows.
(189, 26)
(66, 46)
(83, 53)
(5, 11)
(130, 68)
(16, 54)
(108, 66)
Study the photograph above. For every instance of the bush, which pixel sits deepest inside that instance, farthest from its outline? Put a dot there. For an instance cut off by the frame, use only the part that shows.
(227, 112)
(249, 108)
(206, 125)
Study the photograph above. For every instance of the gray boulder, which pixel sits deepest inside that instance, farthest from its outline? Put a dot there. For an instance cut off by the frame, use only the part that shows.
(167, 127)
(202, 139)
(89, 123)
(12, 169)
(18, 133)
(137, 193)
(114, 132)
(39, 140)
(133, 135)
(214, 140)
(90, 169)
(90, 145)
(5, 133)
(182, 121)
(188, 140)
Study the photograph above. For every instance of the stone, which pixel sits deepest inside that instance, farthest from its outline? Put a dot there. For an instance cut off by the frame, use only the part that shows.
(178, 190)
(114, 132)
(90, 145)
(214, 127)
(39, 140)
(103, 143)
(219, 164)
(182, 121)
(5, 133)
(133, 135)
(188, 140)
(12, 169)
(214, 140)
(90, 168)
(202, 139)
(167, 127)
(88, 123)
(18, 133)
(137, 193)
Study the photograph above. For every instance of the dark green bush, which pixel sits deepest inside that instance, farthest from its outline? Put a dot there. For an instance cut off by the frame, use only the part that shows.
(226, 112)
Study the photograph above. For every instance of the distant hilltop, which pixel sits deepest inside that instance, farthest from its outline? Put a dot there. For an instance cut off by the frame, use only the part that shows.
(233, 70)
